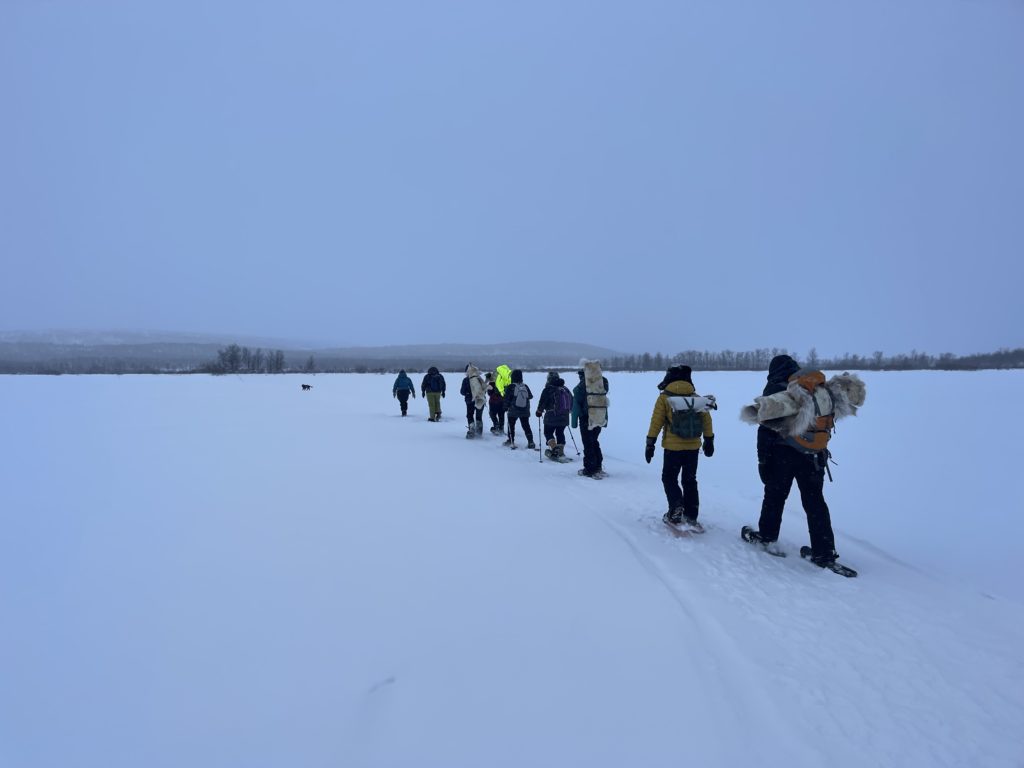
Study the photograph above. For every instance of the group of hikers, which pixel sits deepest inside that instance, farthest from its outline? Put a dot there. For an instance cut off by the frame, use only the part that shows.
(795, 415)
(508, 400)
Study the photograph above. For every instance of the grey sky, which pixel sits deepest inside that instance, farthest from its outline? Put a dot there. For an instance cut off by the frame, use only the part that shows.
(640, 175)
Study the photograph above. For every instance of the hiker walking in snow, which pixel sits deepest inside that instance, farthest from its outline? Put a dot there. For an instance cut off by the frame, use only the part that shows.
(555, 405)
(474, 390)
(433, 388)
(403, 387)
(795, 416)
(496, 405)
(683, 418)
(517, 406)
(590, 393)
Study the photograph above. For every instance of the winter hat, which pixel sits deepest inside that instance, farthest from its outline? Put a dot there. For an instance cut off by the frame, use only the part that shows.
(581, 373)
(402, 372)
(676, 373)
(781, 368)
(552, 377)
(517, 376)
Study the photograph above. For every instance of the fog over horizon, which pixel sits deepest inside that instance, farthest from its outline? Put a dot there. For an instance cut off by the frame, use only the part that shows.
(658, 177)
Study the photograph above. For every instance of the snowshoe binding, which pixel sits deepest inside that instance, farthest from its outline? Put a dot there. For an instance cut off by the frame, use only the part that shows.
(751, 536)
(829, 562)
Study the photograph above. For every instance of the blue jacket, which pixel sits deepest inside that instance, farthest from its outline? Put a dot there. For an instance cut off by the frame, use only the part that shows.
(403, 382)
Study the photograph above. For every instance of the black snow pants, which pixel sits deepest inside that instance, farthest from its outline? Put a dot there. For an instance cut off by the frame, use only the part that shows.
(403, 399)
(523, 419)
(592, 456)
(474, 415)
(685, 463)
(555, 432)
(784, 465)
(497, 413)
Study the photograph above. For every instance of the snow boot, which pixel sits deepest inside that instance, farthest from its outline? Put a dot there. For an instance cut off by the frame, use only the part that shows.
(673, 517)
(751, 536)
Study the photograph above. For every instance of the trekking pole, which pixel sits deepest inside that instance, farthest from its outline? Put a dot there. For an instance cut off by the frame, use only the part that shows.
(540, 434)
(574, 441)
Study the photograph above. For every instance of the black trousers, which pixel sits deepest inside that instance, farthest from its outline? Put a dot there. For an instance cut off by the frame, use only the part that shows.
(682, 463)
(474, 414)
(403, 399)
(527, 430)
(556, 433)
(592, 456)
(497, 413)
(784, 465)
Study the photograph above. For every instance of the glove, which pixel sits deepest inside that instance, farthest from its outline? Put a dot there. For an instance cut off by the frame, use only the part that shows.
(442, 394)
(538, 414)
(649, 450)
(574, 423)
(762, 471)
(394, 395)
(709, 446)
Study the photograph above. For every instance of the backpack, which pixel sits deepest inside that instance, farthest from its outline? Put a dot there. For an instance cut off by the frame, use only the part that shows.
(561, 401)
(687, 416)
(815, 439)
(522, 396)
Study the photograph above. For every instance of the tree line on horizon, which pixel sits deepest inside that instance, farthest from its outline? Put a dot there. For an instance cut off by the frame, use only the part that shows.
(237, 359)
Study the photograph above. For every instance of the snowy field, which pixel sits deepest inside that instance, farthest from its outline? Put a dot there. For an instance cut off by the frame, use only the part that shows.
(228, 572)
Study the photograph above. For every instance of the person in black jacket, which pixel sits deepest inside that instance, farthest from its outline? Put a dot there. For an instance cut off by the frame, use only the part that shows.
(433, 388)
(779, 465)
(555, 405)
(517, 407)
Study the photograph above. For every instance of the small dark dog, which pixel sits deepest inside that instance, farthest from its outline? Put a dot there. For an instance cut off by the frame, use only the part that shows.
(306, 387)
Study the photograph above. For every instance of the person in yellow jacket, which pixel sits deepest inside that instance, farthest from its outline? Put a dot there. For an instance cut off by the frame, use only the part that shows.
(683, 419)
(502, 378)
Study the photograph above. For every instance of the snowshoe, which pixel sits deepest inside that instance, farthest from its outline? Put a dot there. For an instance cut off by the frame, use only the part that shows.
(532, 446)
(829, 562)
(471, 433)
(751, 536)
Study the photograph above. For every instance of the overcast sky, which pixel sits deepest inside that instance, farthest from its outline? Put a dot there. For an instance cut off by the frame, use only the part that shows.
(640, 175)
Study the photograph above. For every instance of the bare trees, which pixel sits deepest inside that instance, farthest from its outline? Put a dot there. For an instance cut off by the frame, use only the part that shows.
(236, 359)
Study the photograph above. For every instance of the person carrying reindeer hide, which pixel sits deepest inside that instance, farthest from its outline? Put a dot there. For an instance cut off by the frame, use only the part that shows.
(590, 412)
(795, 416)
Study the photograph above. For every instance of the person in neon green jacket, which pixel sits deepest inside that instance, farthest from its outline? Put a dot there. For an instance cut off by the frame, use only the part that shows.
(503, 378)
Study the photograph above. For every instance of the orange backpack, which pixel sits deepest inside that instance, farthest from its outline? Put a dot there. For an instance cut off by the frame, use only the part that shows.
(815, 439)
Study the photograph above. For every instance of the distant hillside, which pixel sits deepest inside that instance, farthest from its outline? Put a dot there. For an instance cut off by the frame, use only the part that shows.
(158, 352)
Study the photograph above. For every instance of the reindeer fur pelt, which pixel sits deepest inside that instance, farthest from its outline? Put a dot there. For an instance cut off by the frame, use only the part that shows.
(791, 412)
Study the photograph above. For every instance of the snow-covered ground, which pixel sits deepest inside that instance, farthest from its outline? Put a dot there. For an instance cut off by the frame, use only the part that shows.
(230, 572)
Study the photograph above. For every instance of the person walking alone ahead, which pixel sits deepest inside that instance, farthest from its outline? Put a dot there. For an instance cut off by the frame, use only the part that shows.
(402, 388)
(517, 406)
(555, 405)
(433, 388)
(681, 432)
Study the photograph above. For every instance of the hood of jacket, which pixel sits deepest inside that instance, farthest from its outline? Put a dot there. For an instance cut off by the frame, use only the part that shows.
(679, 387)
(781, 368)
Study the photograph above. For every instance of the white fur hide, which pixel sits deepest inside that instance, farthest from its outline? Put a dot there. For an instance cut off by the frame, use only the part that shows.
(791, 412)
(597, 397)
(477, 387)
